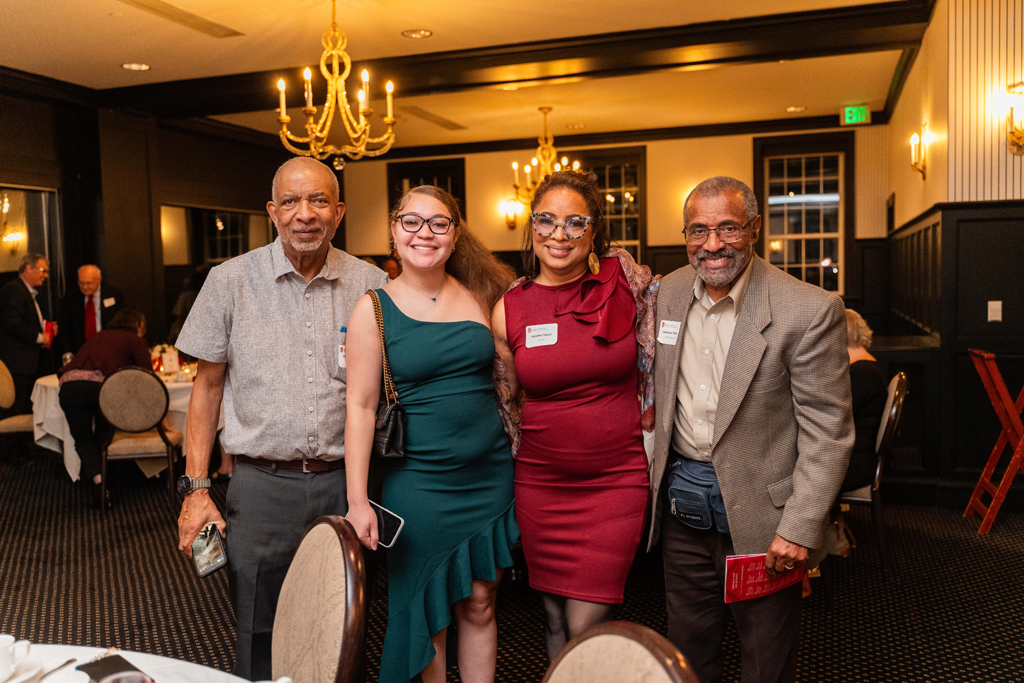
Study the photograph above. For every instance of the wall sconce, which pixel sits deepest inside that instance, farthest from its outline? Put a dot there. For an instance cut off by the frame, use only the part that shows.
(512, 208)
(918, 147)
(1015, 133)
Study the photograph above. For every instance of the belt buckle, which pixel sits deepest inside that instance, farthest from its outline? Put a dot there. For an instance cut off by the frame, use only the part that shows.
(304, 468)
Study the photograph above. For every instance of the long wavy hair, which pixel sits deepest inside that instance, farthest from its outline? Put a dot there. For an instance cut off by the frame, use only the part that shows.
(583, 183)
(471, 263)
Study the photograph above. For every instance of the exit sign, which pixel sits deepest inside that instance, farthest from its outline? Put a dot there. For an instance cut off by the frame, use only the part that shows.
(854, 116)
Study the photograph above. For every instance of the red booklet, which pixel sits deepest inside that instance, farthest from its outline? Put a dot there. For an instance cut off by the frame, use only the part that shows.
(746, 578)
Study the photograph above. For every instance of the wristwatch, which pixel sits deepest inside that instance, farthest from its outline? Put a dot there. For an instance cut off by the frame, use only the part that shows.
(187, 484)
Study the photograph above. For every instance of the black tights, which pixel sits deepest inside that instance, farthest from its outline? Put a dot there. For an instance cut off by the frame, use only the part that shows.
(567, 618)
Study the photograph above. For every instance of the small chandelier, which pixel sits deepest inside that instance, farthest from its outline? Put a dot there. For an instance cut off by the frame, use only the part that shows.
(357, 128)
(544, 164)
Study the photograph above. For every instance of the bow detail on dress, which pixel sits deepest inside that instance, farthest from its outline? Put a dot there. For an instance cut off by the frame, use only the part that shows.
(604, 300)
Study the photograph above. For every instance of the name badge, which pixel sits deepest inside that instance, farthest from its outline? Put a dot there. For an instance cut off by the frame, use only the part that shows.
(108, 302)
(668, 332)
(341, 356)
(541, 335)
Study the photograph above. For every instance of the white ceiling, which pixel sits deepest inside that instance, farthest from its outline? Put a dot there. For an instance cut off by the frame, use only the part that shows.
(662, 99)
(85, 41)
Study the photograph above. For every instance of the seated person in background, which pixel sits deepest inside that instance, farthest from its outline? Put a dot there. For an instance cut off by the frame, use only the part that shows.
(119, 345)
(88, 311)
(869, 395)
(391, 267)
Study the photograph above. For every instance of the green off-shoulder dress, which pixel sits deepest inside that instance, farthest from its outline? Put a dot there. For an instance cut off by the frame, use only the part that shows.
(453, 488)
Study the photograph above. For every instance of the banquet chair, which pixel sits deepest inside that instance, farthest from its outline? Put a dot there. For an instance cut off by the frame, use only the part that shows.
(134, 401)
(318, 627)
(620, 652)
(872, 493)
(15, 424)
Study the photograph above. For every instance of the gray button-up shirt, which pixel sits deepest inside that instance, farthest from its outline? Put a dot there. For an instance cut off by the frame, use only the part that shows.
(284, 392)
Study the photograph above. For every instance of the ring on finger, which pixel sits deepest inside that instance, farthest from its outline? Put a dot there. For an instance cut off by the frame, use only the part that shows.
(789, 566)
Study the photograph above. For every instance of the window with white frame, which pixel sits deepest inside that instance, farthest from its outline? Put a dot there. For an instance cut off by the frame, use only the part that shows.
(804, 230)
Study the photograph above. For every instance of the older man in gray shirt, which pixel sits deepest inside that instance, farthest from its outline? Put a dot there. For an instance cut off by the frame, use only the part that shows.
(267, 329)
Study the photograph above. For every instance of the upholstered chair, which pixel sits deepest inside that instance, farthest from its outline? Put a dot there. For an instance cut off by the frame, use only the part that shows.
(318, 627)
(620, 652)
(16, 424)
(135, 401)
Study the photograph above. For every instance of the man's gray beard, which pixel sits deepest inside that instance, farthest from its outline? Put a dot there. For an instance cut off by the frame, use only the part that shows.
(722, 276)
(307, 247)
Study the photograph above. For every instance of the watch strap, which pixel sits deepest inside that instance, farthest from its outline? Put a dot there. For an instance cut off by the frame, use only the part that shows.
(201, 483)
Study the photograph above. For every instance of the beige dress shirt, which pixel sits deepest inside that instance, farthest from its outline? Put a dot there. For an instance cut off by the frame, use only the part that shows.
(709, 328)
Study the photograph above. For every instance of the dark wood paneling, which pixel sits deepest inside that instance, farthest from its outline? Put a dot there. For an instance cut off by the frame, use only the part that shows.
(206, 171)
(28, 145)
(133, 258)
(663, 260)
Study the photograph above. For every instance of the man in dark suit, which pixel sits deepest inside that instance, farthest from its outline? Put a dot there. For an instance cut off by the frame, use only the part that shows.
(22, 328)
(85, 314)
(753, 393)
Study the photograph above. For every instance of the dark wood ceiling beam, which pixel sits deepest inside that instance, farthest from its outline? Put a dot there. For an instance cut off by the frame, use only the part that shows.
(866, 28)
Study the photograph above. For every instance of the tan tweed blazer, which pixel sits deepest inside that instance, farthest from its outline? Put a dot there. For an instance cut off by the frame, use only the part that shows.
(784, 425)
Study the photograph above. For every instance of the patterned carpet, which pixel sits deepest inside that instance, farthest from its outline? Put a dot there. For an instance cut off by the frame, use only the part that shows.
(951, 611)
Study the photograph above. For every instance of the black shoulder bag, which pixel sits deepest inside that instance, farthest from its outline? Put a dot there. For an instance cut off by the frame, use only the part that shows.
(389, 429)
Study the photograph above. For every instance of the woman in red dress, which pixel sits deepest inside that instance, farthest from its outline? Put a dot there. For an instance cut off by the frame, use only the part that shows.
(576, 338)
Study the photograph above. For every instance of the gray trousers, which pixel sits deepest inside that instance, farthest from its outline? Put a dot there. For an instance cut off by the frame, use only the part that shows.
(769, 627)
(268, 509)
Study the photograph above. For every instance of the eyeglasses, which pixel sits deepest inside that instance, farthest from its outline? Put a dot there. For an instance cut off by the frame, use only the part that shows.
(727, 234)
(439, 225)
(574, 227)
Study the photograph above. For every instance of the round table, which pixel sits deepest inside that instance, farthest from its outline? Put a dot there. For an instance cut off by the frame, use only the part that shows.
(50, 427)
(160, 669)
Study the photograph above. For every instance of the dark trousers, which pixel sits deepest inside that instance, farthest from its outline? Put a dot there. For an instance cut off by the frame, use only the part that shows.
(769, 627)
(268, 509)
(23, 385)
(80, 401)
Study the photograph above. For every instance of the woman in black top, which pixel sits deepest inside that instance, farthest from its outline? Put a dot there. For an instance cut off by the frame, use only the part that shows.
(869, 394)
(118, 345)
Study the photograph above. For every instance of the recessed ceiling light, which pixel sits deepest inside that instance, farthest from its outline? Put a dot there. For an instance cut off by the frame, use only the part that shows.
(417, 33)
(510, 87)
(133, 66)
(795, 110)
(575, 126)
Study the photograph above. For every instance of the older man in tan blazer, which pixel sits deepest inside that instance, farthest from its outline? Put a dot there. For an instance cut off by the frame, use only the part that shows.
(752, 389)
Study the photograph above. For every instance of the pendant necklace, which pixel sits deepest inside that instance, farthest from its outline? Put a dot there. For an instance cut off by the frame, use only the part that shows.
(432, 298)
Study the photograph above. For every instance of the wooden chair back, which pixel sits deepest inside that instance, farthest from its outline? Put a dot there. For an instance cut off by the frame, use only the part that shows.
(620, 652)
(318, 627)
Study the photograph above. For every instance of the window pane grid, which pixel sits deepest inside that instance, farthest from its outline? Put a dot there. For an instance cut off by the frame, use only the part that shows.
(804, 228)
(618, 185)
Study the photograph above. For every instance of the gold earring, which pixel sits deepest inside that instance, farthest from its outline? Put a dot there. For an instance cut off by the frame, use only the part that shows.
(594, 262)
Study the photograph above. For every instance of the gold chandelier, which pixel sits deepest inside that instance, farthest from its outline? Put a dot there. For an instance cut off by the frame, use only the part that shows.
(544, 164)
(357, 128)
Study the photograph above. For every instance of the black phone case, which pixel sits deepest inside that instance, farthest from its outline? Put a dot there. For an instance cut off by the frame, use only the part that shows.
(107, 666)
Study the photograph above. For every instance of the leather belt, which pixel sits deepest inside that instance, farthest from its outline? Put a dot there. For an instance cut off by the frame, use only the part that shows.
(304, 465)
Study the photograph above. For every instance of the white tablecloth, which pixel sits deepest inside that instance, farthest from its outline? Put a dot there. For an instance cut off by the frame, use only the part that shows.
(160, 669)
(51, 428)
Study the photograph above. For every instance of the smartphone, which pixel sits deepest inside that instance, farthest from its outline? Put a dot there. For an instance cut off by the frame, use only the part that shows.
(208, 552)
(388, 525)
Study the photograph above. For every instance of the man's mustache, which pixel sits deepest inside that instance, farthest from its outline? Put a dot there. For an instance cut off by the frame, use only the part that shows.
(723, 253)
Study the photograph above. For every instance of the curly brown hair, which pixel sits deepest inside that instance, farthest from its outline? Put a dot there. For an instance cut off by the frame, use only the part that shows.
(583, 183)
(472, 263)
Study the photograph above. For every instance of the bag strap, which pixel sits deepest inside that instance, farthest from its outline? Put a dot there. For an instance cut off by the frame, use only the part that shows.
(390, 394)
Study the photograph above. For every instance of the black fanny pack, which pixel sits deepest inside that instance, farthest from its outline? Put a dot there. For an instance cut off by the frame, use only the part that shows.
(695, 497)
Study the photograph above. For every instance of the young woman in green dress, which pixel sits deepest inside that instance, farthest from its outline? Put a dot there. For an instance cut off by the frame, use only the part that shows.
(454, 487)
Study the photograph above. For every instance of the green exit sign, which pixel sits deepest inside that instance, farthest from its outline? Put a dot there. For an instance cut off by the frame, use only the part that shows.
(854, 116)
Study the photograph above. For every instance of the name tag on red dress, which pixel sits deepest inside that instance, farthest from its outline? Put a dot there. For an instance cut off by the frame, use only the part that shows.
(541, 335)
